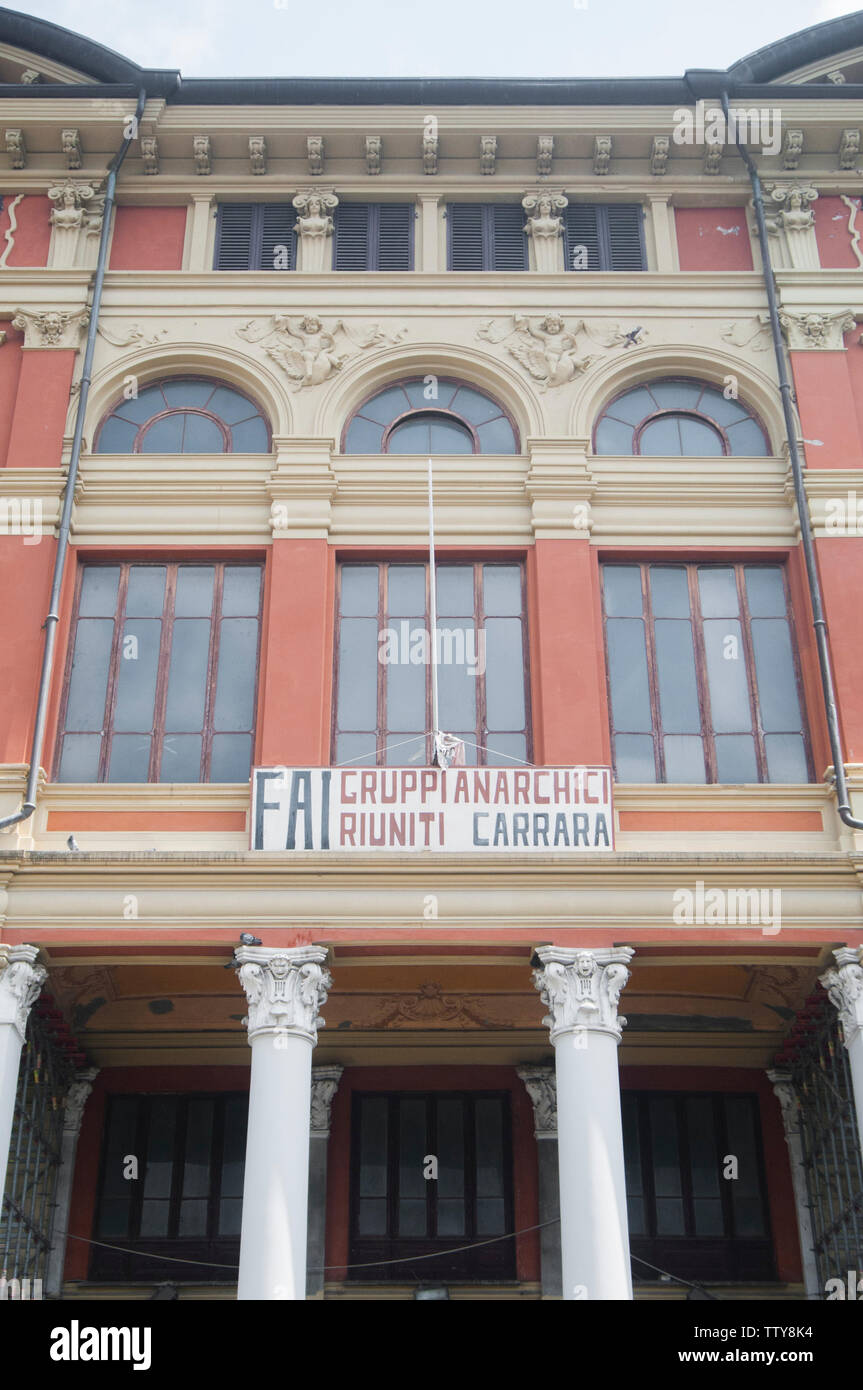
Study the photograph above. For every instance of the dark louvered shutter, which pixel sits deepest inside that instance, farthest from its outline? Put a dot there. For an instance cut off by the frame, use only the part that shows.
(612, 233)
(626, 236)
(278, 239)
(508, 250)
(581, 228)
(395, 236)
(351, 234)
(465, 236)
(234, 236)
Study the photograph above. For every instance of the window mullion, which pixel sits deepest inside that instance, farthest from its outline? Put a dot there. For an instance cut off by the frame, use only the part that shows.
(161, 697)
(382, 730)
(655, 712)
(707, 734)
(212, 673)
(113, 676)
(481, 702)
(754, 707)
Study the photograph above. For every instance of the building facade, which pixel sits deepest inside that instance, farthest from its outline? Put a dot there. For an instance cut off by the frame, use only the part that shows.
(238, 319)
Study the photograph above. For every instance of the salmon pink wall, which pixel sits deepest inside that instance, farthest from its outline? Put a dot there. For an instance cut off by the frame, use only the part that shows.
(32, 236)
(297, 660)
(25, 582)
(713, 239)
(10, 370)
(36, 438)
(148, 239)
(832, 234)
(840, 562)
(854, 363)
(828, 410)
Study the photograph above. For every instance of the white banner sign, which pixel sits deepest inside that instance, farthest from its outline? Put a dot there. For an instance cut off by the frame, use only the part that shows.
(457, 809)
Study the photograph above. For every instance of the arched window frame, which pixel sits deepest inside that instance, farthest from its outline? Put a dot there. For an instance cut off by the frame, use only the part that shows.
(217, 383)
(690, 412)
(430, 408)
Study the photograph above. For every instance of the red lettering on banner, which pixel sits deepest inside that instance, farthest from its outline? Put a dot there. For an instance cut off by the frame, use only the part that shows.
(368, 781)
(409, 784)
(501, 790)
(587, 780)
(540, 800)
(397, 828)
(350, 797)
(425, 819)
(461, 789)
(428, 782)
(388, 797)
(521, 781)
(480, 786)
(561, 787)
(347, 828)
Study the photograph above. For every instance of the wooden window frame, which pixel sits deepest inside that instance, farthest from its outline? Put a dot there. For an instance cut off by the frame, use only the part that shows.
(432, 408)
(604, 239)
(225, 429)
(137, 1261)
(373, 238)
(691, 1255)
(157, 732)
(381, 731)
(693, 412)
(488, 1261)
(708, 735)
(487, 241)
(256, 239)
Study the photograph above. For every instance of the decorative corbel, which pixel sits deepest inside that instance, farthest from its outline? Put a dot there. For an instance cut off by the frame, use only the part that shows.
(374, 154)
(149, 148)
(487, 153)
(792, 149)
(203, 153)
(16, 149)
(659, 153)
(258, 154)
(713, 152)
(602, 147)
(544, 155)
(431, 148)
(315, 153)
(70, 145)
(849, 148)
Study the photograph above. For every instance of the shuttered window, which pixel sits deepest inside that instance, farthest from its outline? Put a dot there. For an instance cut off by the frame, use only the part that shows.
(604, 236)
(373, 236)
(256, 236)
(486, 236)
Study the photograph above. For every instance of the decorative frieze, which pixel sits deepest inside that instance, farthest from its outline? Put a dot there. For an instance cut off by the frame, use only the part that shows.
(308, 351)
(374, 154)
(315, 153)
(257, 154)
(816, 331)
(602, 151)
(21, 979)
(544, 155)
(844, 985)
(285, 989)
(544, 227)
(202, 153)
(581, 988)
(548, 349)
(540, 1082)
(314, 227)
(70, 147)
(659, 152)
(487, 153)
(149, 149)
(325, 1083)
(51, 328)
(16, 149)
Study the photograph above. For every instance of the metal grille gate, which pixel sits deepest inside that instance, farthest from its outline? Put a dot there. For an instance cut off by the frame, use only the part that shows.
(34, 1157)
(831, 1144)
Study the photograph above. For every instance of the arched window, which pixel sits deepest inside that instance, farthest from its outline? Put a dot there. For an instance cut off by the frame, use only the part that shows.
(678, 418)
(430, 415)
(184, 415)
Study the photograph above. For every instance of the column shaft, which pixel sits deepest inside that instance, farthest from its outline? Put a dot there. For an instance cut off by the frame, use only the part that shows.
(20, 982)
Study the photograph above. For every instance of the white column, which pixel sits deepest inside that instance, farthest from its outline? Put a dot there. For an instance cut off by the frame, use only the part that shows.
(285, 989)
(73, 1113)
(845, 988)
(581, 988)
(785, 1093)
(20, 982)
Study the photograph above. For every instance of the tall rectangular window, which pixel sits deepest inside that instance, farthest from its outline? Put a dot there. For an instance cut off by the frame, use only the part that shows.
(162, 678)
(373, 236)
(687, 1213)
(256, 236)
(703, 678)
(599, 236)
(400, 1210)
(486, 236)
(383, 705)
(186, 1199)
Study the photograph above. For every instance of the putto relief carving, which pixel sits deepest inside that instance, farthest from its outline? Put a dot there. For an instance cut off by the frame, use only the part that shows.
(308, 351)
(548, 349)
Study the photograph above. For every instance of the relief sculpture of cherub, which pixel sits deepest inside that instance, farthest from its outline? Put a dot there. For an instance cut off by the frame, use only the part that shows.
(307, 351)
(546, 348)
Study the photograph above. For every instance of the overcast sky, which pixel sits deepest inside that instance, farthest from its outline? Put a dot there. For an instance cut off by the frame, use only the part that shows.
(435, 38)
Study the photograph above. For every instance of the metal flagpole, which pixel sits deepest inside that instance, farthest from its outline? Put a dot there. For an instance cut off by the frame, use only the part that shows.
(433, 614)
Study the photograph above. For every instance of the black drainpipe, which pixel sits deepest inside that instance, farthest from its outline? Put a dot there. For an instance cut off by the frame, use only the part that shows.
(50, 625)
(819, 622)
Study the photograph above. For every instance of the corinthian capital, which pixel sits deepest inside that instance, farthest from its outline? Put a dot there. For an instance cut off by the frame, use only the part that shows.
(325, 1083)
(540, 1082)
(285, 989)
(821, 332)
(582, 988)
(51, 328)
(21, 979)
(844, 985)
